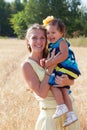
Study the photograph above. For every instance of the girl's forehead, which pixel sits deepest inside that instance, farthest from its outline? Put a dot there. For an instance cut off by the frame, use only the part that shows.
(51, 27)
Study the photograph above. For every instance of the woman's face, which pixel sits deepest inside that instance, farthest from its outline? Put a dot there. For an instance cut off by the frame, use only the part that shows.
(37, 40)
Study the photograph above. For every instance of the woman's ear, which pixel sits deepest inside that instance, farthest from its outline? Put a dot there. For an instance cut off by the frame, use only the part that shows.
(27, 41)
(28, 45)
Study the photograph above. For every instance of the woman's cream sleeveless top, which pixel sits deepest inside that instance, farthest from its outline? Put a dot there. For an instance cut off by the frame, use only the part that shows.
(49, 101)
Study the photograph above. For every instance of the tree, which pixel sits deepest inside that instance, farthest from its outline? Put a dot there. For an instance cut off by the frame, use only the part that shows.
(18, 23)
(16, 6)
(36, 10)
(73, 17)
(5, 28)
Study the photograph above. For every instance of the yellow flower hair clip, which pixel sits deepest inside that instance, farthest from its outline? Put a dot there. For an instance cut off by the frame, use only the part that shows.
(47, 20)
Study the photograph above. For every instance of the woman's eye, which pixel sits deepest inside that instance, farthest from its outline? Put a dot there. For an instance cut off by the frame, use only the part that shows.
(42, 38)
(34, 38)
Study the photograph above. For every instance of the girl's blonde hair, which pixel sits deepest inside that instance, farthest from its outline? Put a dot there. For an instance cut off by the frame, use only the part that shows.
(36, 26)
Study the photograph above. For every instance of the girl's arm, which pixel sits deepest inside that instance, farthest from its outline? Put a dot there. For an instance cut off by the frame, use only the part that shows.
(60, 57)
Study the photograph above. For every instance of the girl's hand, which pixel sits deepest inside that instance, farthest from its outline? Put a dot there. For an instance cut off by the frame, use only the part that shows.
(63, 80)
(42, 62)
(50, 67)
(49, 61)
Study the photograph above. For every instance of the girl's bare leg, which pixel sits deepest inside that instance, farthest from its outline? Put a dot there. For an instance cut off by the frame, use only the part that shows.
(61, 107)
(66, 98)
(58, 95)
(71, 115)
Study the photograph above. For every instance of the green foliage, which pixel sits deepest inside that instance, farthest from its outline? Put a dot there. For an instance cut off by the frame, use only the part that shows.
(6, 10)
(19, 15)
(84, 24)
(36, 10)
(68, 11)
(16, 6)
(18, 23)
(5, 28)
(73, 16)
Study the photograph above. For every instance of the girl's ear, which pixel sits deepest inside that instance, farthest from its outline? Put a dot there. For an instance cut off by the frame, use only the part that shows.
(62, 33)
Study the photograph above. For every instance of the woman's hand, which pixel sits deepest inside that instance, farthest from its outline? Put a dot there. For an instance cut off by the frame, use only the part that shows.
(63, 80)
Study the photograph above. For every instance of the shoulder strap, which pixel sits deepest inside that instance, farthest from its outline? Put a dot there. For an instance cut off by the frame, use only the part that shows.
(57, 43)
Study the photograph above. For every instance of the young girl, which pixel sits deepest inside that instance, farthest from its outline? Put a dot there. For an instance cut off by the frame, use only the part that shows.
(66, 64)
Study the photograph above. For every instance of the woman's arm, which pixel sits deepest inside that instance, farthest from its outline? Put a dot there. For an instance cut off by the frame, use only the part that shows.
(63, 80)
(40, 88)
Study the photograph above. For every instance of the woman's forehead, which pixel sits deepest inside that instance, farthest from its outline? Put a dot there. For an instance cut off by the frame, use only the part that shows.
(37, 32)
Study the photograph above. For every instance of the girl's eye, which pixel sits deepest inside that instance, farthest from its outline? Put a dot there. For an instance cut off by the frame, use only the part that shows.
(47, 32)
(53, 32)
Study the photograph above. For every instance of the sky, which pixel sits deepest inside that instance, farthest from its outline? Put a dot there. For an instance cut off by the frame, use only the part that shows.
(84, 2)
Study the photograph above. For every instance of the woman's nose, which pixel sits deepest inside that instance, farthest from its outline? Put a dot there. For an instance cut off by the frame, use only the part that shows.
(39, 40)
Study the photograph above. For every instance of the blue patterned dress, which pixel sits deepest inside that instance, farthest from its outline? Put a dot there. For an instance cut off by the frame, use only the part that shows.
(68, 66)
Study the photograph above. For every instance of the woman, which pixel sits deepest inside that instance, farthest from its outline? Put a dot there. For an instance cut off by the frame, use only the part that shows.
(37, 80)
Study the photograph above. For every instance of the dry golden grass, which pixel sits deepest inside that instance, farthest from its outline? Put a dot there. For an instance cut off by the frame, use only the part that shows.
(17, 110)
(79, 41)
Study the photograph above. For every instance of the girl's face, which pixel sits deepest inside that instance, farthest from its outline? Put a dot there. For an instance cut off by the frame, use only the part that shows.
(53, 34)
(37, 40)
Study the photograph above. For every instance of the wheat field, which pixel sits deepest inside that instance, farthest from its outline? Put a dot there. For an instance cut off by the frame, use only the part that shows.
(18, 108)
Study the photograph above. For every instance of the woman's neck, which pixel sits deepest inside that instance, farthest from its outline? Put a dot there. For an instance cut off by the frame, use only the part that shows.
(35, 57)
